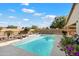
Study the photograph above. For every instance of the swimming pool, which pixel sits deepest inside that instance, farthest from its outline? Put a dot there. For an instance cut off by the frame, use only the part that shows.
(42, 46)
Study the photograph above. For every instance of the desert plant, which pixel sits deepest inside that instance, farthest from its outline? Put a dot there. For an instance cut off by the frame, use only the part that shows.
(8, 33)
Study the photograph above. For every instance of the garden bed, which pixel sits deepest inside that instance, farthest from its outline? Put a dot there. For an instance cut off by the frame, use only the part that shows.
(69, 45)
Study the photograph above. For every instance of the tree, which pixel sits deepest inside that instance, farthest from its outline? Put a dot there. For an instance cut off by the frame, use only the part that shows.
(11, 26)
(47, 27)
(34, 27)
(59, 22)
(26, 29)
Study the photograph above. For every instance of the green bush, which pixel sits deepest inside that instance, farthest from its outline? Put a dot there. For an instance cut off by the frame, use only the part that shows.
(66, 40)
(77, 47)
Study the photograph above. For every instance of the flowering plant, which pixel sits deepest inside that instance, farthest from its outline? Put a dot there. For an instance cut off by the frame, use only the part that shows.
(68, 46)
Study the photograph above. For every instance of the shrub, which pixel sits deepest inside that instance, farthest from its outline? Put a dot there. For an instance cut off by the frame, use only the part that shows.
(69, 47)
(66, 41)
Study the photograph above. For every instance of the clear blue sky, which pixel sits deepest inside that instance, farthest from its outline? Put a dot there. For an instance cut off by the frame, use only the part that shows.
(25, 14)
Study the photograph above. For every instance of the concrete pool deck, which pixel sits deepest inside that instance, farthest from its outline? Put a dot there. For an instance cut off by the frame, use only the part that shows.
(10, 50)
(56, 51)
(18, 40)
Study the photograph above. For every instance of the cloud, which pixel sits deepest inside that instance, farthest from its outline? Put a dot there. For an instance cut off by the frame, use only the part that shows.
(12, 17)
(38, 14)
(49, 17)
(28, 10)
(26, 19)
(26, 4)
(12, 10)
(1, 14)
(43, 25)
(3, 23)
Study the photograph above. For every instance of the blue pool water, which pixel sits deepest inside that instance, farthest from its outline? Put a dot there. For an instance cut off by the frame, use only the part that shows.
(42, 46)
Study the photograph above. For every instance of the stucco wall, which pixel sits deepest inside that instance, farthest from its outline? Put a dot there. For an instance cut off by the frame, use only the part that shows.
(74, 16)
(77, 27)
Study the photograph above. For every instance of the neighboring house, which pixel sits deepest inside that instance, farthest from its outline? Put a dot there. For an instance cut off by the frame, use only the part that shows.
(72, 25)
(14, 31)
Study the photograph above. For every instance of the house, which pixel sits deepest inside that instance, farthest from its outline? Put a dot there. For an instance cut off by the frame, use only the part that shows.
(14, 31)
(72, 26)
